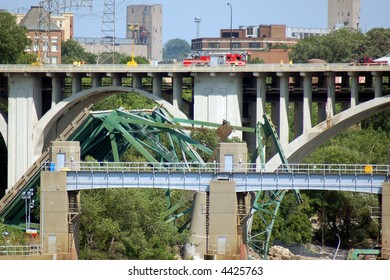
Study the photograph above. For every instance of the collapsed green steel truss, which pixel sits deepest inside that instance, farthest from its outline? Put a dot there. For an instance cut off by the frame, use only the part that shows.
(158, 137)
(266, 204)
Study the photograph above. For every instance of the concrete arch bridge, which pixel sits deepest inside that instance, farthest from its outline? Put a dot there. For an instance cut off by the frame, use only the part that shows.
(39, 105)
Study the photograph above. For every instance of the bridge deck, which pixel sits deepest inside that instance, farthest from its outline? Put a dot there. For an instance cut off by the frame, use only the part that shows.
(178, 68)
(355, 178)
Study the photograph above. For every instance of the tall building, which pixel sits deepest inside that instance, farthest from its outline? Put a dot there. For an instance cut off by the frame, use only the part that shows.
(144, 26)
(343, 13)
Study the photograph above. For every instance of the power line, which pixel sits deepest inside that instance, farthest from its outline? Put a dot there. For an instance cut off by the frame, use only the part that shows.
(44, 23)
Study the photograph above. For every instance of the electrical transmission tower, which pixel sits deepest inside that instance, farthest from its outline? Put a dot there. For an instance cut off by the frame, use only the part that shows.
(44, 24)
(107, 39)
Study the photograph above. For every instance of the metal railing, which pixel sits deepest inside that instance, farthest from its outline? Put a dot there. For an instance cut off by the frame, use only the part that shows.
(33, 249)
(220, 168)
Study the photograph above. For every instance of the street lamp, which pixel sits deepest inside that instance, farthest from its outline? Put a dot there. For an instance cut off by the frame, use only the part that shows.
(133, 28)
(338, 246)
(28, 205)
(231, 25)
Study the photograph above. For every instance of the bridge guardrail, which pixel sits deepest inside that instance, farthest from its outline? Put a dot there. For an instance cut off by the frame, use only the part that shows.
(33, 249)
(221, 168)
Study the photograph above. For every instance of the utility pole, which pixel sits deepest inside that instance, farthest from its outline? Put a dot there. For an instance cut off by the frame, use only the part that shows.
(231, 26)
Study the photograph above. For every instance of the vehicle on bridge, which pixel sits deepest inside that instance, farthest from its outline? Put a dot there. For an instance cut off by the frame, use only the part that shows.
(208, 59)
(365, 60)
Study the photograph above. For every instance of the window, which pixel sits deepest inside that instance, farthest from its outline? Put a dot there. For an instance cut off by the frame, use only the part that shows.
(54, 48)
(236, 45)
(214, 45)
(254, 45)
(196, 46)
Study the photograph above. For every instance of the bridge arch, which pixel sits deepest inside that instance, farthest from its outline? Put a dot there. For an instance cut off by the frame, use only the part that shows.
(302, 146)
(4, 127)
(65, 111)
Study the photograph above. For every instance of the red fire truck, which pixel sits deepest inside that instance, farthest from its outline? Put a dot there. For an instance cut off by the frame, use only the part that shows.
(230, 59)
(365, 60)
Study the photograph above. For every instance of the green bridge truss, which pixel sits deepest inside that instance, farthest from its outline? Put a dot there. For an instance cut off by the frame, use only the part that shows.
(158, 137)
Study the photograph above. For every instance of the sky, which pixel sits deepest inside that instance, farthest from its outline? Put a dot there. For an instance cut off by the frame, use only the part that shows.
(178, 15)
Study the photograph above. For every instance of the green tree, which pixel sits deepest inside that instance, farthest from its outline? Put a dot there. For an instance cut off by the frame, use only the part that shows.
(378, 42)
(11, 236)
(292, 224)
(379, 122)
(344, 213)
(123, 59)
(355, 146)
(13, 39)
(26, 58)
(176, 49)
(127, 224)
(72, 51)
(338, 46)
(256, 60)
(125, 100)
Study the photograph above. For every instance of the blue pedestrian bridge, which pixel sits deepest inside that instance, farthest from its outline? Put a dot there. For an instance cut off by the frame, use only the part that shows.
(248, 177)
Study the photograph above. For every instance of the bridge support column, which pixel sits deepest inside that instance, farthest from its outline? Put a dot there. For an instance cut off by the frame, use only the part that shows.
(24, 111)
(177, 99)
(298, 117)
(307, 101)
(354, 76)
(261, 91)
(321, 114)
(218, 215)
(275, 118)
(284, 106)
(56, 95)
(157, 83)
(218, 97)
(386, 220)
(76, 82)
(116, 79)
(378, 84)
(223, 240)
(331, 98)
(54, 208)
(59, 208)
(96, 79)
(136, 80)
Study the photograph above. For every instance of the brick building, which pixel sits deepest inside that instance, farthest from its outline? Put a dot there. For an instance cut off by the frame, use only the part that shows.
(59, 30)
(268, 42)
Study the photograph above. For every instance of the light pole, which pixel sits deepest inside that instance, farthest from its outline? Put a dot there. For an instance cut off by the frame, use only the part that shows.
(28, 204)
(231, 25)
(338, 246)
